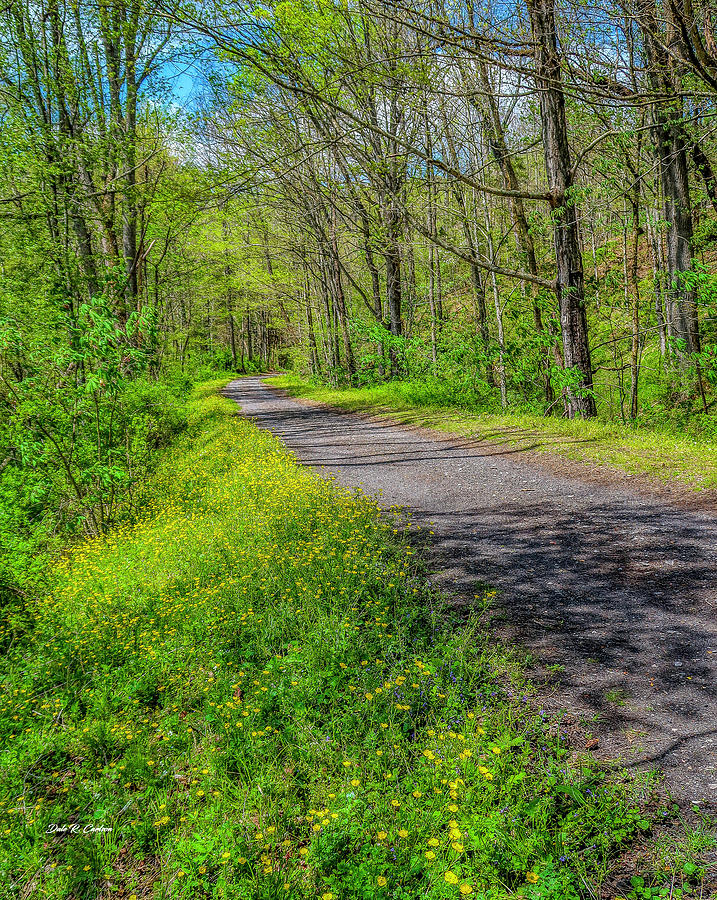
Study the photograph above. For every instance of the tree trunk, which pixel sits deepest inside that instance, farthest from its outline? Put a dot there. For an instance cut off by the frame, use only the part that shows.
(248, 336)
(498, 309)
(340, 300)
(392, 257)
(232, 332)
(654, 241)
(393, 272)
(314, 353)
(635, 305)
(570, 279)
(671, 150)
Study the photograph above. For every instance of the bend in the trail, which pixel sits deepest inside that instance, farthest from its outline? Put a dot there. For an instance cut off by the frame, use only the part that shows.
(617, 589)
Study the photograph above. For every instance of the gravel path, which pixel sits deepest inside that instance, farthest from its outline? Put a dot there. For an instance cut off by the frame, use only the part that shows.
(617, 589)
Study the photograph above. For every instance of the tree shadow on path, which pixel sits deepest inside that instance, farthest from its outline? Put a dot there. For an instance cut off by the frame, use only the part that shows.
(617, 590)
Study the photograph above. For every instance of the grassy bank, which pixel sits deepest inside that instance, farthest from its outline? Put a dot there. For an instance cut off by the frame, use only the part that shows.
(666, 455)
(252, 693)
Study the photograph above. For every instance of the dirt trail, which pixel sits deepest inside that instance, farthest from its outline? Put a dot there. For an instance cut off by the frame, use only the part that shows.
(617, 589)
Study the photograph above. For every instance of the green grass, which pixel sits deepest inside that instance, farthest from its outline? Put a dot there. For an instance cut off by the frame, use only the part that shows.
(255, 694)
(663, 455)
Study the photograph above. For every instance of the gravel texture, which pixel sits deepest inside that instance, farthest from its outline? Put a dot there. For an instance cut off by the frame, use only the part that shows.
(617, 589)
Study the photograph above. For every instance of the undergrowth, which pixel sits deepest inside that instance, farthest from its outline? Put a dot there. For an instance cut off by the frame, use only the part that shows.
(252, 692)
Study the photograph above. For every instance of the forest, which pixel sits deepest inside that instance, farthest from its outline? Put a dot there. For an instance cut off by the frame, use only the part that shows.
(515, 204)
(507, 208)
